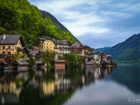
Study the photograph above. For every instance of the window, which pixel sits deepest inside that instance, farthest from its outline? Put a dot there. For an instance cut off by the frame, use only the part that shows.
(3, 52)
(9, 47)
(3, 47)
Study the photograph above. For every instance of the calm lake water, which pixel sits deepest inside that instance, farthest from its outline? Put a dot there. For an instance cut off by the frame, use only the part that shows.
(100, 86)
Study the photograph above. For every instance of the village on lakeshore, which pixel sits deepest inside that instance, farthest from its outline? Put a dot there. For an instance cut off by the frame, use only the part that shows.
(15, 57)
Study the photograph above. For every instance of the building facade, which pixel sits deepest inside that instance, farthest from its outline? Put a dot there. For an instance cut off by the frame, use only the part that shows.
(63, 47)
(10, 44)
(47, 44)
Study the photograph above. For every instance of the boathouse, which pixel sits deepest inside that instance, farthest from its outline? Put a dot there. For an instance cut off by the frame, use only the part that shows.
(59, 65)
(20, 65)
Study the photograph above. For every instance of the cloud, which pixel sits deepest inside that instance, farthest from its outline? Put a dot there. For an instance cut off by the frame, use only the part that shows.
(105, 22)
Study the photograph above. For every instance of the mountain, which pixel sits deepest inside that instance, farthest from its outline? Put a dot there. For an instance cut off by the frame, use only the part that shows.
(127, 51)
(56, 22)
(104, 49)
(20, 17)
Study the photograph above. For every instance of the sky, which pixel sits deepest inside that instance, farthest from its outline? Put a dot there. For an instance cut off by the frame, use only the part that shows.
(96, 23)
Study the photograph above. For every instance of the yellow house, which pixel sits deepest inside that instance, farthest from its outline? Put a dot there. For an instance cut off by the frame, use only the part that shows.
(47, 44)
(9, 44)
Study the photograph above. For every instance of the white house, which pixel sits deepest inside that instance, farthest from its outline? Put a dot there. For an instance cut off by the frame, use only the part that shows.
(63, 47)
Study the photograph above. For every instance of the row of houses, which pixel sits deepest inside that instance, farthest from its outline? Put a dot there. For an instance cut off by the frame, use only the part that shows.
(62, 46)
(11, 44)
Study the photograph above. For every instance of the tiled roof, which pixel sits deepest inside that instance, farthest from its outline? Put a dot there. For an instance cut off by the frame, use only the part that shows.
(43, 39)
(39, 62)
(34, 52)
(21, 62)
(62, 42)
(9, 39)
(2, 55)
(59, 61)
(75, 45)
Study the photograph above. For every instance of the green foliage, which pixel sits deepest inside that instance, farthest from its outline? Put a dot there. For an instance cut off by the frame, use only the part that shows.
(72, 59)
(127, 51)
(48, 57)
(19, 17)
(19, 56)
(31, 61)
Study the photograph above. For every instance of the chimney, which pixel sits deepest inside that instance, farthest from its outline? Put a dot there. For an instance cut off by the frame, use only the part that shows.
(4, 37)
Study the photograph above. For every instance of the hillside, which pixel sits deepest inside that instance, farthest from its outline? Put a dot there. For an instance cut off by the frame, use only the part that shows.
(56, 22)
(20, 17)
(128, 51)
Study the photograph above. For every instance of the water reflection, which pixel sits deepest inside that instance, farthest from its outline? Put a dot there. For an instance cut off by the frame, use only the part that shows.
(85, 87)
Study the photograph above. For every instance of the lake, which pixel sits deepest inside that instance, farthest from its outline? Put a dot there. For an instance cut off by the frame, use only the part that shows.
(99, 86)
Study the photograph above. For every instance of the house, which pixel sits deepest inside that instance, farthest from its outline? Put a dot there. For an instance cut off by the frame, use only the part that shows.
(87, 50)
(63, 46)
(3, 57)
(98, 57)
(2, 66)
(35, 54)
(59, 65)
(47, 44)
(77, 48)
(107, 59)
(20, 65)
(40, 65)
(10, 44)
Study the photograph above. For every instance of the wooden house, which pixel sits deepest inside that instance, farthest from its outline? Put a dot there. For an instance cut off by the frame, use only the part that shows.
(2, 65)
(3, 57)
(47, 44)
(20, 65)
(63, 46)
(87, 50)
(10, 44)
(40, 65)
(35, 54)
(59, 65)
(77, 48)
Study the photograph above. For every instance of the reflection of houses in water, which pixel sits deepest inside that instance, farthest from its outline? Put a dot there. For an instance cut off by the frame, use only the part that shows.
(97, 73)
(59, 74)
(22, 75)
(107, 71)
(94, 73)
(10, 88)
(63, 84)
(48, 88)
(59, 65)
(89, 65)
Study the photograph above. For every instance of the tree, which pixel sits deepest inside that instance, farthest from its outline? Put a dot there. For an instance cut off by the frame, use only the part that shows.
(31, 61)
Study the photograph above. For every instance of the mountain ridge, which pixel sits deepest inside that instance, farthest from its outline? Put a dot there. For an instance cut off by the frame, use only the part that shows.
(22, 18)
(56, 22)
(126, 51)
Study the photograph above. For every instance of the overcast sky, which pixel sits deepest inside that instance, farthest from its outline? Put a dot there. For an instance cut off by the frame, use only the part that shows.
(96, 23)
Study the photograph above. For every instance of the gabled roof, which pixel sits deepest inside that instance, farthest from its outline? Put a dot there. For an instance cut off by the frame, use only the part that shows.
(9, 39)
(63, 61)
(76, 45)
(62, 42)
(48, 38)
(2, 55)
(21, 62)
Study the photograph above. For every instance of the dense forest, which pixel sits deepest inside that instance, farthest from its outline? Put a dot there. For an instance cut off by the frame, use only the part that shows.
(20, 17)
(127, 51)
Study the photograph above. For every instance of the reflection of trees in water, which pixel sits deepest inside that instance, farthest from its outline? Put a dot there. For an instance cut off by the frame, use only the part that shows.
(128, 76)
(42, 88)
